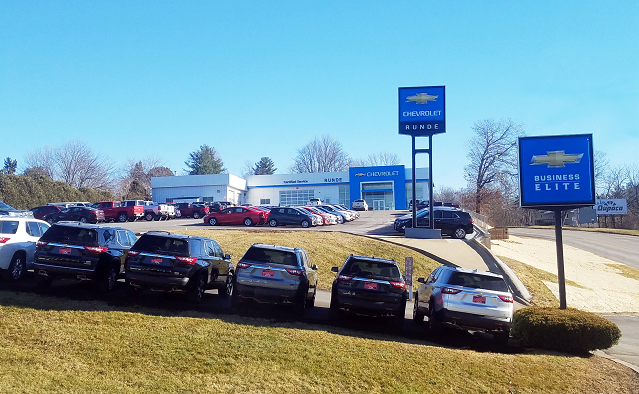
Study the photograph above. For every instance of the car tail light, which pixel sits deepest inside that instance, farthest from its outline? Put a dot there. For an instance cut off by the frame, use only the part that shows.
(294, 271)
(188, 260)
(243, 265)
(448, 290)
(344, 277)
(134, 252)
(506, 298)
(96, 249)
(472, 221)
(41, 243)
(399, 285)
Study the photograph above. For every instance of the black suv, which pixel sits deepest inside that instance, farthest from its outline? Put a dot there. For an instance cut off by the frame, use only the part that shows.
(369, 286)
(177, 262)
(82, 251)
(283, 216)
(451, 221)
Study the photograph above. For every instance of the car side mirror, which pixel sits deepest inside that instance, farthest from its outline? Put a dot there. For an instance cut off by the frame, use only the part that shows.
(335, 269)
(421, 280)
(315, 267)
(227, 256)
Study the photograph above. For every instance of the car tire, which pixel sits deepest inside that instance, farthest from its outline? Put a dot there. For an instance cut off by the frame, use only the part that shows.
(228, 286)
(248, 222)
(305, 224)
(418, 317)
(83, 219)
(501, 337)
(300, 306)
(132, 219)
(236, 302)
(434, 325)
(16, 268)
(311, 303)
(333, 311)
(398, 323)
(196, 215)
(43, 281)
(132, 291)
(107, 284)
(272, 223)
(196, 292)
(212, 221)
(122, 217)
(460, 233)
(149, 216)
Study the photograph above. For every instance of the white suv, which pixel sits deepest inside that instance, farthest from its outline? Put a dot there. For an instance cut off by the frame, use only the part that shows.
(18, 237)
(360, 205)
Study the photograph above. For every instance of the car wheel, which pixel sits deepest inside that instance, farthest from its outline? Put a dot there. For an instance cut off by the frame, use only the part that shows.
(236, 302)
(272, 223)
(122, 217)
(300, 305)
(501, 337)
(132, 219)
(83, 220)
(398, 323)
(305, 223)
(434, 325)
(248, 222)
(212, 221)
(333, 311)
(311, 303)
(228, 286)
(43, 280)
(196, 215)
(418, 317)
(107, 283)
(16, 268)
(460, 233)
(196, 292)
(132, 291)
(149, 216)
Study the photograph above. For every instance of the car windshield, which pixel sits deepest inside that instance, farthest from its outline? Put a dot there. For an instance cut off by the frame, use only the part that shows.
(371, 269)
(477, 281)
(159, 244)
(270, 256)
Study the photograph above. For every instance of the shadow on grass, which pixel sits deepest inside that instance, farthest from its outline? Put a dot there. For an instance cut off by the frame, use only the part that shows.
(83, 296)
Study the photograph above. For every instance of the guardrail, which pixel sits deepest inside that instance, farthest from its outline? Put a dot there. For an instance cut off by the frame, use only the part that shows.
(479, 220)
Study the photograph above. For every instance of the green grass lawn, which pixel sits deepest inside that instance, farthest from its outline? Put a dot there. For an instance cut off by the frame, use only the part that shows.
(54, 345)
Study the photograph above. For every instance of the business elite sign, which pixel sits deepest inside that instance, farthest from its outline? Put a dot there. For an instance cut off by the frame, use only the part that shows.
(556, 171)
(422, 110)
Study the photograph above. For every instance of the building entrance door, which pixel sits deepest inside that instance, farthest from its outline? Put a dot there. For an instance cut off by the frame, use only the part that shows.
(378, 205)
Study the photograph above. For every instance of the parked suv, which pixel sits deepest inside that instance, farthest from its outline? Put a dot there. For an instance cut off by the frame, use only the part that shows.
(283, 216)
(181, 263)
(18, 235)
(369, 286)
(276, 274)
(360, 205)
(451, 221)
(82, 251)
(468, 299)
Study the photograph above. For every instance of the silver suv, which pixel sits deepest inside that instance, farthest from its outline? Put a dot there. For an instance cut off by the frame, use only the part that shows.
(468, 299)
(275, 274)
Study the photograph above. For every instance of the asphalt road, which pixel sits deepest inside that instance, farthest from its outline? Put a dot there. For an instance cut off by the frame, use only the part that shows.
(620, 248)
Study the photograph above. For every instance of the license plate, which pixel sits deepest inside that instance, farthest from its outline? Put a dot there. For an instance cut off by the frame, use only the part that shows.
(370, 286)
(479, 300)
(65, 250)
(156, 261)
(268, 273)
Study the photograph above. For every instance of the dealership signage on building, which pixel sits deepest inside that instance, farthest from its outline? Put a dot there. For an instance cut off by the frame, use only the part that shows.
(556, 171)
(422, 110)
(612, 207)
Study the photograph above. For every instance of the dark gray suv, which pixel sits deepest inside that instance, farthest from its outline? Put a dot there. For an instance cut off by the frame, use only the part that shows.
(294, 216)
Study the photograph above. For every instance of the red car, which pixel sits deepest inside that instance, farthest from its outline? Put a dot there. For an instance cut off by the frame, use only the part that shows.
(327, 219)
(236, 215)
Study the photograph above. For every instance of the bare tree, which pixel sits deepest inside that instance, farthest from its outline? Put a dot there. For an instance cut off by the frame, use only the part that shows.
(602, 166)
(492, 154)
(136, 176)
(377, 159)
(79, 166)
(43, 158)
(321, 155)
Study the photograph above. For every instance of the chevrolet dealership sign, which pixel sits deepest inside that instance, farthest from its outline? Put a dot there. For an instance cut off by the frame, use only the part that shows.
(556, 171)
(422, 110)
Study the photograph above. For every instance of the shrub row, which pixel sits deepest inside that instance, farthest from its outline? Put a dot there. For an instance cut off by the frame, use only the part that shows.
(25, 192)
(565, 330)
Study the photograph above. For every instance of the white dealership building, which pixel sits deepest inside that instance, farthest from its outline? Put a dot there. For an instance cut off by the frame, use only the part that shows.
(383, 187)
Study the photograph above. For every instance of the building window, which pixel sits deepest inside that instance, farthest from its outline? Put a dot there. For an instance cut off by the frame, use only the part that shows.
(345, 195)
(265, 201)
(296, 197)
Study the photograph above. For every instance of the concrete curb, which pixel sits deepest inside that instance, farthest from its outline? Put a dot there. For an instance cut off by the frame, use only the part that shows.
(601, 353)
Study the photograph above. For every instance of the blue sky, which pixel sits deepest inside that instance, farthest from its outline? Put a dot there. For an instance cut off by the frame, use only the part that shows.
(140, 79)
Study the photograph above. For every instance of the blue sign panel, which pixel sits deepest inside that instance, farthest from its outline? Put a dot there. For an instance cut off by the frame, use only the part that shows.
(422, 110)
(556, 171)
(376, 180)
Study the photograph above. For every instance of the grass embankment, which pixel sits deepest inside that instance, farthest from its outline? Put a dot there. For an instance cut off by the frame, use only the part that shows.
(621, 231)
(50, 345)
(326, 249)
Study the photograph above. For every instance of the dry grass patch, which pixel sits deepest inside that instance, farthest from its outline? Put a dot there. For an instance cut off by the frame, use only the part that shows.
(45, 347)
(326, 249)
(625, 270)
(621, 231)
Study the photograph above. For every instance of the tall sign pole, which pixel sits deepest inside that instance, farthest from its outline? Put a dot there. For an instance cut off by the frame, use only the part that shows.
(556, 173)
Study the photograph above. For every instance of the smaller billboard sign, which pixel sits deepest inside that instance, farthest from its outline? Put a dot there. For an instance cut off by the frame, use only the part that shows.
(422, 110)
(556, 171)
(617, 206)
(408, 270)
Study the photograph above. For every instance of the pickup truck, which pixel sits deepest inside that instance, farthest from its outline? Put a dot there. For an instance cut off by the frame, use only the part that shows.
(116, 211)
(191, 210)
(153, 211)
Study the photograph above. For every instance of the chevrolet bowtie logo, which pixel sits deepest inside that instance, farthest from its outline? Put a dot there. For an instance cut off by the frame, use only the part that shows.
(556, 159)
(360, 174)
(421, 98)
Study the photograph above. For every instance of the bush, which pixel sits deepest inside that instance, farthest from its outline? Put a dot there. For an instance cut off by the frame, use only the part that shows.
(565, 330)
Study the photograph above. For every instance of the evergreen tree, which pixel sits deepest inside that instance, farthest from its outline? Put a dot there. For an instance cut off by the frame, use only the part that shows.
(264, 167)
(205, 161)
(10, 166)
